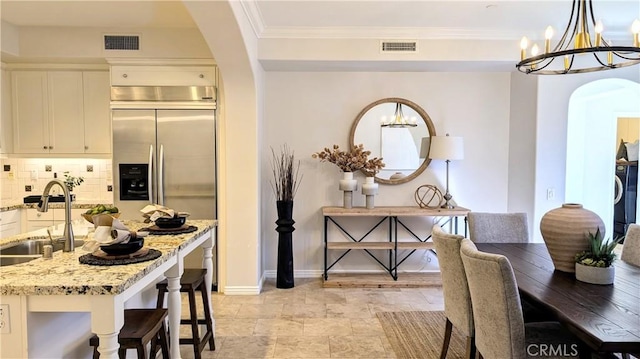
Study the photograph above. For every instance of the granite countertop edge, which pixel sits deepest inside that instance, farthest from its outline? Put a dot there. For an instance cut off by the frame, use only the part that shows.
(75, 204)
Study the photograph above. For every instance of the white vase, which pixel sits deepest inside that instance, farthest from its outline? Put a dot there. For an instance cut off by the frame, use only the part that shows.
(369, 190)
(348, 185)
(595, 275)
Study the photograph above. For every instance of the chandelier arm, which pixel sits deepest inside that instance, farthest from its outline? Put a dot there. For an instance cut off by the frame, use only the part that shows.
(595, 54)
(561, 42)
(593, 19)
(627, 58)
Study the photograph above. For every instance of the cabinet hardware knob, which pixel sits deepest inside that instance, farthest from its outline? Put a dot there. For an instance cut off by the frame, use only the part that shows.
(86, 147)
(50, 147)
(44, 147)
(201, 76)
(124, 75)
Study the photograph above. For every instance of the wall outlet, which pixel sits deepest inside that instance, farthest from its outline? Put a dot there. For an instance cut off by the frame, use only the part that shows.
(551, 194)
(27, 188)
(5, 327)
(47, 168)
(109, 188)
(7, 168)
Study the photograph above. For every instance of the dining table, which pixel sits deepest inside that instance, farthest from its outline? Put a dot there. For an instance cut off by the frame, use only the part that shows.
(606, 318)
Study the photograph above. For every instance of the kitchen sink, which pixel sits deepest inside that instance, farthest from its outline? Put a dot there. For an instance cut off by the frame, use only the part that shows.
(21, 252)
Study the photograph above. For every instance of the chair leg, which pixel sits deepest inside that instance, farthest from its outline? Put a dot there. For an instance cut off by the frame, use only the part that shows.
(194, 324)
(448, 327)
(471, 347)
(164, 342)
(141, 351)
(207, 314)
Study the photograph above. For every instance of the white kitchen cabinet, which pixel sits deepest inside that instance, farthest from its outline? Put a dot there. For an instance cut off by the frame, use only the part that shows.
(38, 220)
(163, 75)
(10, 224)
(6, 124)
(48, 112)
(97, 115)
(61, 112)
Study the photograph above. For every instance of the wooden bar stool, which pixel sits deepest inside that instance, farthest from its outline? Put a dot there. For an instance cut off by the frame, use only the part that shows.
(141, 326)
(192, 280)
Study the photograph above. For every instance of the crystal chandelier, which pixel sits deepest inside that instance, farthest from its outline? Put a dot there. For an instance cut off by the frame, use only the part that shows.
(577, 51)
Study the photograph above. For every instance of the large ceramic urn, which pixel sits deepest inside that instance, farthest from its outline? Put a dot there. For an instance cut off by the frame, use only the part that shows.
(565, 230)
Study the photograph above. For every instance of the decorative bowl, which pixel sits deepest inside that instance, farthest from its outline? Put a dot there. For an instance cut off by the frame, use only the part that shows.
(117, 249)
(89, 217)
(173, 222)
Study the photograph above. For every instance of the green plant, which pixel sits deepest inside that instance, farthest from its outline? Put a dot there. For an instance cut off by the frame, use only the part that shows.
(71, 181)
(286, 176)
(600, 252)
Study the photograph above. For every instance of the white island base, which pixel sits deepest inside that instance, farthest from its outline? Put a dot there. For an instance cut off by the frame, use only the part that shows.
(55, 305)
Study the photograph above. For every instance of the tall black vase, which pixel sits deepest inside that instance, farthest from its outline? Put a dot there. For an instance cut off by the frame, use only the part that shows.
(285, 247)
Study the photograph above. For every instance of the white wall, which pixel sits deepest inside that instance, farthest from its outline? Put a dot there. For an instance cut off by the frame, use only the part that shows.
(522, 145)
(310, 110)
(554, 93)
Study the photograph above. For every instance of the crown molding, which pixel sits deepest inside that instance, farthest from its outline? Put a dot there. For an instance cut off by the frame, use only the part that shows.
(373, 32)
(253, 14)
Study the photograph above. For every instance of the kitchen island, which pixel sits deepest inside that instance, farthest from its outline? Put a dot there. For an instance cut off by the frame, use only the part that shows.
(64, 285)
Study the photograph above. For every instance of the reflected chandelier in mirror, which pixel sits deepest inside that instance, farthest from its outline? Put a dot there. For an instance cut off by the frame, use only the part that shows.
(399, 131)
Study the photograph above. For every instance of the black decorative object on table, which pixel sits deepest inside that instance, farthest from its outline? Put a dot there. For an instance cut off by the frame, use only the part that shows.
(285, 184)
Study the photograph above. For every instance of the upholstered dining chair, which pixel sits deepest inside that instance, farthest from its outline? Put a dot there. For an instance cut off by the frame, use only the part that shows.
(500, 331)
(457, 302)
(631, 247)
(498, 227)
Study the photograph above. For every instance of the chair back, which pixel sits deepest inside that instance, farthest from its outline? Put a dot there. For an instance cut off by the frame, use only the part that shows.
(631, 246)
(457, 301)
(497, 313)
(498, 227)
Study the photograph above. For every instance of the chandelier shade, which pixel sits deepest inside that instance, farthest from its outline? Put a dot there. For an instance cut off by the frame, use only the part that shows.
(582, 47)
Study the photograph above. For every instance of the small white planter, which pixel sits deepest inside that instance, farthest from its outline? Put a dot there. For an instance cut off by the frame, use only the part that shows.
(595, 275)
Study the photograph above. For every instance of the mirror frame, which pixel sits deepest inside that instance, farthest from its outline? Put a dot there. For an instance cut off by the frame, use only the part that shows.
(425, 117)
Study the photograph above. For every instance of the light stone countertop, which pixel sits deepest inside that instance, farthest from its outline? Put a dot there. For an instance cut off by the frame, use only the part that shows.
(65, 275)
(82, 204)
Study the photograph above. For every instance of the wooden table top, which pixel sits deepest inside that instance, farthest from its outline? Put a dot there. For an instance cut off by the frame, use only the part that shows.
(606, 317)
(404, 211)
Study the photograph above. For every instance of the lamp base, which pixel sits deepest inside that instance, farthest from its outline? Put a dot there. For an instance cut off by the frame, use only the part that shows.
(447, 197)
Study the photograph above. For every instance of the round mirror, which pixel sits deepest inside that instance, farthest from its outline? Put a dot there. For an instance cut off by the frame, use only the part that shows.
(399, 131)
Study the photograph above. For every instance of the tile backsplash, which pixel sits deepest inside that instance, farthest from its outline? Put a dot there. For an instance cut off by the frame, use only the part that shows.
(19, 174)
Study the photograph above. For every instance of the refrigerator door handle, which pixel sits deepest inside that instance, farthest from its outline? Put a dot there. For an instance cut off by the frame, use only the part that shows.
(161, 177)
(150, 174)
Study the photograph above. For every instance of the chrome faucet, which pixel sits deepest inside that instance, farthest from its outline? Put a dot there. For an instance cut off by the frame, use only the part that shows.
(43, 206)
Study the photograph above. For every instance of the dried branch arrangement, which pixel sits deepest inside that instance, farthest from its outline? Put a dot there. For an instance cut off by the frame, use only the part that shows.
(351, 161)
(286, 175)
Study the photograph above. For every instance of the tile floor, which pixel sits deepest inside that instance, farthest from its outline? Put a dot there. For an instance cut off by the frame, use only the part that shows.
(309, 321)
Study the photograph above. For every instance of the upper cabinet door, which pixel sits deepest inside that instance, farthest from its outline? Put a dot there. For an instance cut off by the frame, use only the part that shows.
(66, 117)
(30, 112)
(97, 117)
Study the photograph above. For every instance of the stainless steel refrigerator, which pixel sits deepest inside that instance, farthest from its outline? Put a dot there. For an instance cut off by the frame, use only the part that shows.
(164, 156)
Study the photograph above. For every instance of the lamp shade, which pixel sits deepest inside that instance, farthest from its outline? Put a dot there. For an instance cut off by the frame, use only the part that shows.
(446, 148)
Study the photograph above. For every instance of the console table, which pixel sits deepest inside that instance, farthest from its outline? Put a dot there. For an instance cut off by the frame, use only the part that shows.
(391, 216)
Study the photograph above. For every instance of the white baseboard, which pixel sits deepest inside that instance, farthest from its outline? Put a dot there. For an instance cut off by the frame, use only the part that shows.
(242, 290)
(296, 274)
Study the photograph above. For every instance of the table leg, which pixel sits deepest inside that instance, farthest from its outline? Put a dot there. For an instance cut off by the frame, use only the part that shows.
(175, 307)
(326, 221)
(207, 262)
(107, 317)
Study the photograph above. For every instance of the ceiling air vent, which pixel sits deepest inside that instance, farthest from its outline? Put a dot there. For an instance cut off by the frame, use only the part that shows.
(398, 46)
(121, 42)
